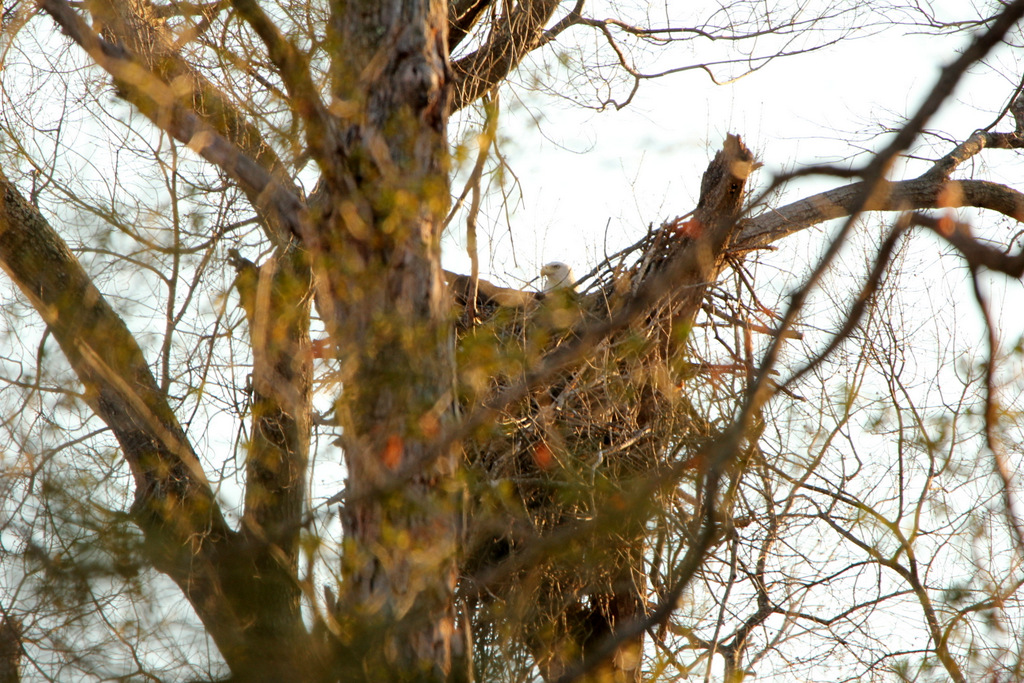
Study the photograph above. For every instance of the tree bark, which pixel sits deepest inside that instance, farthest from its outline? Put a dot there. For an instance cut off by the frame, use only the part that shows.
(379, 258)
(10, 650)
(276, 299)
(233, 581)
(513, 35)
(373, 239)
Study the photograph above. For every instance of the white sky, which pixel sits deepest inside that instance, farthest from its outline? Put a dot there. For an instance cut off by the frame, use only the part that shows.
(581, 171)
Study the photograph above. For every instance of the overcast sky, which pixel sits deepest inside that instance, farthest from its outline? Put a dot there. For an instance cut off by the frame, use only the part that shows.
(593, 181)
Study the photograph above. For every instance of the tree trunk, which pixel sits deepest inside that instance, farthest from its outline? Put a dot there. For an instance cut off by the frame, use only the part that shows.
(379, 258)
(10, 650)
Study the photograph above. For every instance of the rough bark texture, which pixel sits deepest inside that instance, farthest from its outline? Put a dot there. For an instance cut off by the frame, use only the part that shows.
(908, 195)
(380, 260)
(374, 242)
(935, 188)
(10, 650)
(276, 300)
(229, 579)
(696, 262)
(462, 15)
(513, 35)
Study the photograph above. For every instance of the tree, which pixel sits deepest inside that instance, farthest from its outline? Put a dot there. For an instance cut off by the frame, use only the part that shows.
(533, 484)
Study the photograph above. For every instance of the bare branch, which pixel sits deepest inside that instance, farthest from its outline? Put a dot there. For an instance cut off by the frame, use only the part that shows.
(976, 254)
(926, 192)
(462, 16)
(158, 102)
(293, 66)
(513, 36)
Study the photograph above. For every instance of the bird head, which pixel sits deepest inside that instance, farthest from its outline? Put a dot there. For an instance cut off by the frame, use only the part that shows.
(557, 275)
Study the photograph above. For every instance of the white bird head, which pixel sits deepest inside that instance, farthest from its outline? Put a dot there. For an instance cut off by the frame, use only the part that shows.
(557, 275)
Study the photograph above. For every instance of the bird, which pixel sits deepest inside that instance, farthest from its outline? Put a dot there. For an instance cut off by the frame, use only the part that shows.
(557, 275)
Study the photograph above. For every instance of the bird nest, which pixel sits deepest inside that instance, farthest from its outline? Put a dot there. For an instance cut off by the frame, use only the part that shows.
(606, 432)
(618, 390)
(634, 401)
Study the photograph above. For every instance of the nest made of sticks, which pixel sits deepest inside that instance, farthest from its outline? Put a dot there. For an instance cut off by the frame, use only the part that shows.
(567, 482)
(637, 402)
(625, 403)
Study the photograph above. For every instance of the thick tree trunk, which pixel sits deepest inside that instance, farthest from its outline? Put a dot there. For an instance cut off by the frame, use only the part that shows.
(10, 650)
(379, 257)
(373, 240)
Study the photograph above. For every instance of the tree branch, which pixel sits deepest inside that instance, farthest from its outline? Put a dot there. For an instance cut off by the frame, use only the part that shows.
(513, 36)
(293, 67)
(462, 16)
(232, 581)
(276, 300)
(907, 195)
(974, 252)
(138, 53)
(928, 190)
(174, 504)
